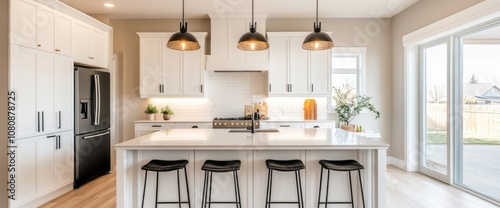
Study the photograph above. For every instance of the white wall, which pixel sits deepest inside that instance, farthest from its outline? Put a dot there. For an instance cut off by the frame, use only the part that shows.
(415, 17)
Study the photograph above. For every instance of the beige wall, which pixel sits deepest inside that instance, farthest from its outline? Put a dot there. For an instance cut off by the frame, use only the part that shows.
(4, 70)
(419, 15)
(375, 34)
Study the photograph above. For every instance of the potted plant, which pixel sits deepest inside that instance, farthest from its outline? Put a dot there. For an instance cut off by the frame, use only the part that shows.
(349, 106)
(167, 112)
(151, 110)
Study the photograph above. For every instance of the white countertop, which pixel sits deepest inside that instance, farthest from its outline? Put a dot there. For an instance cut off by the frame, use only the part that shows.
(220, 139)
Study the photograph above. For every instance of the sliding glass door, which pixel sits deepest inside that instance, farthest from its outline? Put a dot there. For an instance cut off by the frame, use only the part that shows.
(478, 135)
(434, 99)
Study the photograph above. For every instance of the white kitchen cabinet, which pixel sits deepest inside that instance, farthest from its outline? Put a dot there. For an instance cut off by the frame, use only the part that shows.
(193, 125)
(294, 71)
(43, 86)
(226, 32)
(169, 73)
(89, 45)
(281, 125)
(45, 163)
(318, 125)
(142, 129)
(63, 34)
(32, 25)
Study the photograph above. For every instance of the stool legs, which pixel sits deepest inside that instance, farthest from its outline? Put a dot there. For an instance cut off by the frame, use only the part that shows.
(298, 186)
(207, 191)
(350, 189)
(178, 189)
(187, 187)
(144, 190)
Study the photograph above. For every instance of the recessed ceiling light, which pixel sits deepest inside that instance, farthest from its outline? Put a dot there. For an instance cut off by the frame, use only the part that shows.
(109, 5)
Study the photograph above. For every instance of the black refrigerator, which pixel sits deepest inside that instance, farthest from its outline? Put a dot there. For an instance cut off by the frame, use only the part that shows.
(92, 124)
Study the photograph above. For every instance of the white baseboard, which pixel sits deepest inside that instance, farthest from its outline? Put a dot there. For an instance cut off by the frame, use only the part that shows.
(396, 162)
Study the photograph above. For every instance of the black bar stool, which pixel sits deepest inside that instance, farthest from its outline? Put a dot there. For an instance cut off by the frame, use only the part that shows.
(166, 166)
(211, 166)
(284, 166)
(340, 165)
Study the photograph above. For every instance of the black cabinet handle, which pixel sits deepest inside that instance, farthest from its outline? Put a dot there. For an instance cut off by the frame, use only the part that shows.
(59, 141)
(159, 87)
(284, 125)
(59, 123)
(316, 127)
(291, 87)
(43, 122)
(270, 88)
(312, 87)
(194, 127)
(201, 88)
(38, 121)
(156, 126)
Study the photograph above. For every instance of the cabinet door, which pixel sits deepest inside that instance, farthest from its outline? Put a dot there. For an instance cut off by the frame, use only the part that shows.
(64, 162)
(45, 163)
(150, 63)
(45, 24)
(80, 41)
(23, 82)
(219, 45)
(193, 125)
(193, 68)
(26, 170)
(298, 67)
(23, 23)
(63, 95)
(319, 64)
(98, 48)
(318, 125)
(63, 34)
(278, 66)
(171, 64)
(45, 91)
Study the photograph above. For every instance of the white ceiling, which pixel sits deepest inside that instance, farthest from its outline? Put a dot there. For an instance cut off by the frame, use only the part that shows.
(143, 9)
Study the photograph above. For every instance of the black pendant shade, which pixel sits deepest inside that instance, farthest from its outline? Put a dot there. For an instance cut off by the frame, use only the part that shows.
(317, 40)
(183, 41)
(253, 41)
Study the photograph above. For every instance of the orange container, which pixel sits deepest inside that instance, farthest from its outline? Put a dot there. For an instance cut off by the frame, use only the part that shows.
(310, 109)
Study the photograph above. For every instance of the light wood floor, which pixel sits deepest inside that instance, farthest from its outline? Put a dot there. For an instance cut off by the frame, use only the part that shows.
(412, 190)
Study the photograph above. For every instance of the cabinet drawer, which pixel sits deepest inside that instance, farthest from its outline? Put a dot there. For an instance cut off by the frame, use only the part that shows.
(318, 125)
(154, 126)
(193, 125)
(282, 125)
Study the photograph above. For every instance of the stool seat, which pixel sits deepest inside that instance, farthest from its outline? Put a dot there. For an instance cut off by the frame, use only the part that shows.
(164, 165)
(221, 166)
(341, 165)
(285, 165)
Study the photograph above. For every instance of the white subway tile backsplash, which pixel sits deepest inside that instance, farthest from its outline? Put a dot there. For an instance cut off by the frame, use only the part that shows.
(227, 93)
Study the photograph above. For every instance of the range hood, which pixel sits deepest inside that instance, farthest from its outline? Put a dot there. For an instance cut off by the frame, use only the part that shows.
(226, 30)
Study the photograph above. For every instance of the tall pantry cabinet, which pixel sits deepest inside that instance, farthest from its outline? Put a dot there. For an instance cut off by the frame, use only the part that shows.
(45, 43)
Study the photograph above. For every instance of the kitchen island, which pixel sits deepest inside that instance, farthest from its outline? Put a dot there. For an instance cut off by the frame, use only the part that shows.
(198, 145)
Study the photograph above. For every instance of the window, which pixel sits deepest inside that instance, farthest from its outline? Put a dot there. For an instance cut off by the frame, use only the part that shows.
(348, 70)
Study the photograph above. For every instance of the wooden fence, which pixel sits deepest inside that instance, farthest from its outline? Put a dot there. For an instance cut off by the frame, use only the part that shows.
(478, 120)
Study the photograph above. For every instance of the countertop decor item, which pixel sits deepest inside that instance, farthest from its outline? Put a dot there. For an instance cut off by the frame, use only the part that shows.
(151, 110)
(253, 40)
(167, 112)
(348, 106)
(183, 41)
(310, 109)
(317, 40)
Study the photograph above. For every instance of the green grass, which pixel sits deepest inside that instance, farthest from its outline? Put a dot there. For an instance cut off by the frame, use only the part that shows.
(435, 136)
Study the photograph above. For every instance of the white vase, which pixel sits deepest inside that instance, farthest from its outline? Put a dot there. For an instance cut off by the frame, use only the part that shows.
(152, 117)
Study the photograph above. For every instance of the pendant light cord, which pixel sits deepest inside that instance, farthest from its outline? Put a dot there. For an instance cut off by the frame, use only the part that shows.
(183, 12)
(252, 15)
(316, 11)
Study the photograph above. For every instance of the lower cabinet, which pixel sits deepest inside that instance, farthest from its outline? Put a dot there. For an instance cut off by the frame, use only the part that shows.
(45, 164)
(143, 128)
(296, 125)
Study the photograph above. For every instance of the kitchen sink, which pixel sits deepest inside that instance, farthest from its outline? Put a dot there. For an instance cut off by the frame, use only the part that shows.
(256, 131)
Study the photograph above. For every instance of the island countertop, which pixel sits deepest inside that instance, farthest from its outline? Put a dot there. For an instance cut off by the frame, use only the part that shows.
(199, 139)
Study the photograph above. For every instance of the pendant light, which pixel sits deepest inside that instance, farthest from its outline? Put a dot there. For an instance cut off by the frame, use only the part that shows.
(317, 40)
(253, 41)
(183, 41)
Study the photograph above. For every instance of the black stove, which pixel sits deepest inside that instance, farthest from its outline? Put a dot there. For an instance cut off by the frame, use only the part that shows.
(233, 123)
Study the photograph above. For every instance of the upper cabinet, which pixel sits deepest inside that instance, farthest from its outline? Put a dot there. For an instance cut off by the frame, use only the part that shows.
(40, 27)
(226, 30)
(90, 45)
(169, 73)
(294, 71)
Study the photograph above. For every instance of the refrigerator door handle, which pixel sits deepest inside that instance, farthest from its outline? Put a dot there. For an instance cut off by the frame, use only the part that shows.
(95, 100)
(98, 99)
(97, 135)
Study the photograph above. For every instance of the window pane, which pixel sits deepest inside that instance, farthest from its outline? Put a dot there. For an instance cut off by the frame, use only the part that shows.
(345, 82)
(436, 139)
(344, 62)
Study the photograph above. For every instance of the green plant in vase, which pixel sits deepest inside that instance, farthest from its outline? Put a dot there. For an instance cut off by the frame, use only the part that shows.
(167, 112)
(348, 106)
(151, 110)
